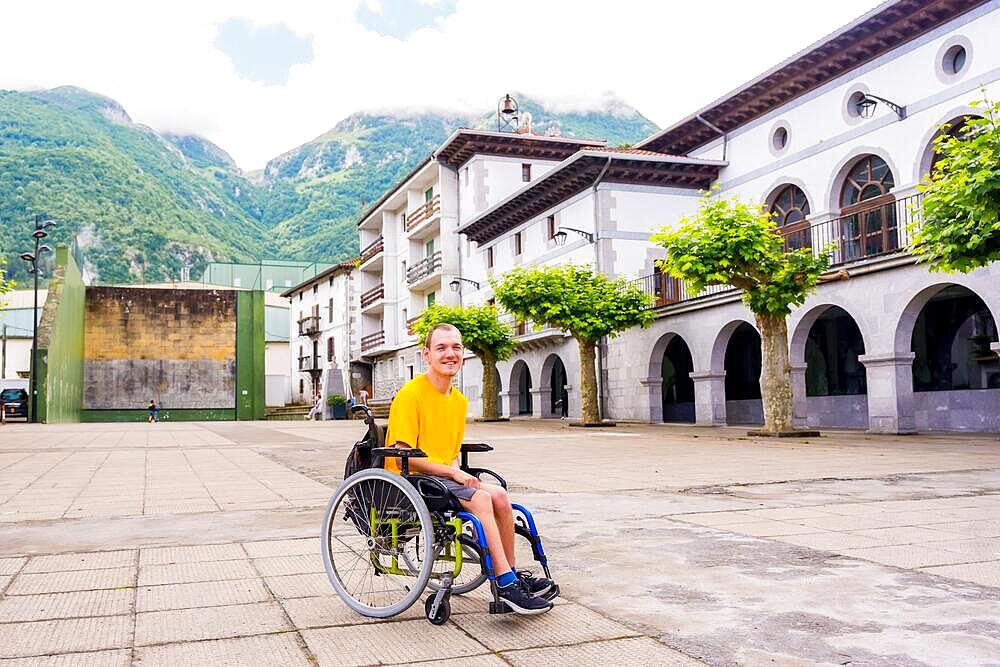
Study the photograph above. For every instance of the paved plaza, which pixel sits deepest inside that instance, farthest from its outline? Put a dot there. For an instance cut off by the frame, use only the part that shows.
(183, 543)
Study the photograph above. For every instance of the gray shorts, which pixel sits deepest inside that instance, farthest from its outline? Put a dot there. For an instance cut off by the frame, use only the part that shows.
(460, 491)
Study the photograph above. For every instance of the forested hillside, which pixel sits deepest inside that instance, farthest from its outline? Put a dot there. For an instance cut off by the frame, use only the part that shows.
(143, 205)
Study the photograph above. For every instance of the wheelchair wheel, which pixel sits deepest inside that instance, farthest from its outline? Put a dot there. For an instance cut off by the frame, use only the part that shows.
(378, 543)
(472, 575)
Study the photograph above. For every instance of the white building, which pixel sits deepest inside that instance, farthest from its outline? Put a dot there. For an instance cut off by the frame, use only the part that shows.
(324, 338)
(833, 141)
(15, 336)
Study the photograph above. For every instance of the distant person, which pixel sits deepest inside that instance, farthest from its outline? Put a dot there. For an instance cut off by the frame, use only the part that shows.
(363, 397)
(153, 415)
(316, 408)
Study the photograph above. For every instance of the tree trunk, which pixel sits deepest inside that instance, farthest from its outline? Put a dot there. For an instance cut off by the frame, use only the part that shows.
(588, 384)
(775, 373)
(490, 389)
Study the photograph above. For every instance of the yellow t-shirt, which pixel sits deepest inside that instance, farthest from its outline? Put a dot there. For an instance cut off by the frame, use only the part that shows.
(424, 418)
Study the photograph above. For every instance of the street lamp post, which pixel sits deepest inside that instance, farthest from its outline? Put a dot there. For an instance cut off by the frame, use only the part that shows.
(40, 232)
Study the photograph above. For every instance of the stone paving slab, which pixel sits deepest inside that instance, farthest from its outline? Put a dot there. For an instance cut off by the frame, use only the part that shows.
(389, 643)
(83, 580)
(101, 560)
(181, 573)
(119, 658)
(194, 554)
(64, 636)
(201, 594)
(279, 565)
(65, 605)
(11, 565)
(908, 556)
(467, 661)
(631, 651)
(985, 574)
(300, 585)
(164, 627)
(277, 649)
(565, 624)
(321, 612)
(297, 547)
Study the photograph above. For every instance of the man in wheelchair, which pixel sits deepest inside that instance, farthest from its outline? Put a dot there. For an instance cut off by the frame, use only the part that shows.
(429, 413)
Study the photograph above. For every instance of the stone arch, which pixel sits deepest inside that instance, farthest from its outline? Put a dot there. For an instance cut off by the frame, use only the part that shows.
(742, 367)
(499, 381)
(922, 165)
(554, 399)
(520, 389)
(677, 393)
(779, 184)
(839, 174)
(799, 333)
(953, 350)
(718, 358)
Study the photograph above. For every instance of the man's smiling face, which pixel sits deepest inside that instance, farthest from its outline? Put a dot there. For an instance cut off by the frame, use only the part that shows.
(444, 352)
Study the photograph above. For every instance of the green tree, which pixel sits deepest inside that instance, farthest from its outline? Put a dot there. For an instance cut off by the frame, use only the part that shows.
(587, 304)
(483, 335)
(732, 243)
(961, 220)
(5, 285)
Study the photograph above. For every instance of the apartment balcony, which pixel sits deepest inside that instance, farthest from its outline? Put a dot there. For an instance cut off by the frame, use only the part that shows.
(532, 336)
(373, 300)
(372, 255)
(309, 326)
(424, 222)
(411, 325)
(868, 233)
(425, 273)
(373, 342)
(310, 364)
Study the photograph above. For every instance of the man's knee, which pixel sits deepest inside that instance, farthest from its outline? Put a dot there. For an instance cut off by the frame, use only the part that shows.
(481, 502)
(499, 496)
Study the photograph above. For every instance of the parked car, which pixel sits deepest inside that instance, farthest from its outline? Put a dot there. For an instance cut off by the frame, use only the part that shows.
(14, 403)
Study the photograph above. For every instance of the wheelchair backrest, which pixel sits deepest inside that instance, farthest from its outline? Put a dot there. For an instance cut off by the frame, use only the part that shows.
(361, 457)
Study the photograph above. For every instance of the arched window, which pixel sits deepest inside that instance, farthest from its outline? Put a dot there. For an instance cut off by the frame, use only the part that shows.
(790, 208)
(868, 226)
(955, 128)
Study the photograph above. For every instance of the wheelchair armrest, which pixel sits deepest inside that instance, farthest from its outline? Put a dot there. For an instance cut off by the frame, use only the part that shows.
(472, 447)
(401, 452)
(479, 472)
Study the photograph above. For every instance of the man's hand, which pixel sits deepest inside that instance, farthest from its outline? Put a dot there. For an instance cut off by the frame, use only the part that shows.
(465, 479)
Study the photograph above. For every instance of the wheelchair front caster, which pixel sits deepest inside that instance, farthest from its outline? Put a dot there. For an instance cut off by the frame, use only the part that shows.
(443, 612)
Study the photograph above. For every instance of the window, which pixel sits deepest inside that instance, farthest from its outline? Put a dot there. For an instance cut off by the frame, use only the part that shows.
(429, 194)
(429, 248)
(869, 222)
(329, 315)
(779, 139)
(430, 299)
(409, 371)
(550, 227)
(315, 312)
(954, 59)
(869, 178)
(330, 283)
(315, 289)
(489, 257)
(302, 386)
(465, 176)
(329, 348)
(300, 296)
(525, 172)
(402, 222)
(790, 206)
(517, 243)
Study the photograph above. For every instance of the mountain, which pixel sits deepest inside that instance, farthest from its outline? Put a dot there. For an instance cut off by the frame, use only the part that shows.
(143, 204)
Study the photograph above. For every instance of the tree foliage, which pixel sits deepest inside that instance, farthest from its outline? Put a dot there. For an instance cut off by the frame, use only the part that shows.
(482, 334)
(733, 243)
(5, 285)
(961, 205)
(587, 304)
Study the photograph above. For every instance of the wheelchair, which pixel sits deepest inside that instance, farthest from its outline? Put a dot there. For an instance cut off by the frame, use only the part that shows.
(387, 537)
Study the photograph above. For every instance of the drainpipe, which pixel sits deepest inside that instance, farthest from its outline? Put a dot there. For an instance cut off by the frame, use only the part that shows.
(602, 344)
(725, 137)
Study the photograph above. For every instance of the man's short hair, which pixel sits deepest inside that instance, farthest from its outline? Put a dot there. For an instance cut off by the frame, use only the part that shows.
(441, 326)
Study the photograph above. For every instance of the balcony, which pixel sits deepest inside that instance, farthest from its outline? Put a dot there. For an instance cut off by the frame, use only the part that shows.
(420, 222)
(373, 341)
(372, 300)
(371, 256)
(532, 336)
(411, 325)
(309, 326)
(878, 230)
(309, 364)
(423, 274)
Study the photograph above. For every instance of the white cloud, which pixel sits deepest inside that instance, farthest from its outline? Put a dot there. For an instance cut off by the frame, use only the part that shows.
(666, 59)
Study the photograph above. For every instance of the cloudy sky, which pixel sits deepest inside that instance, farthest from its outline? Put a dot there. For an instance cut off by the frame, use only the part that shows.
(259, 77)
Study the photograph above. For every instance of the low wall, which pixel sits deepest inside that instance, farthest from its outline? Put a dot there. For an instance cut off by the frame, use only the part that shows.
(975, 410)
(837, 411)
(750, 411)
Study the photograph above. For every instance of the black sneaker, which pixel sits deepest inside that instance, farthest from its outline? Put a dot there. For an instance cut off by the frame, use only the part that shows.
(517, 597)
(535, 585)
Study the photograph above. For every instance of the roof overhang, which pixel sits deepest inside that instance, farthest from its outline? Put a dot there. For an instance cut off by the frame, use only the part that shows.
(581, 171)
(343, 267)
(463, 144)
(881, 30)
